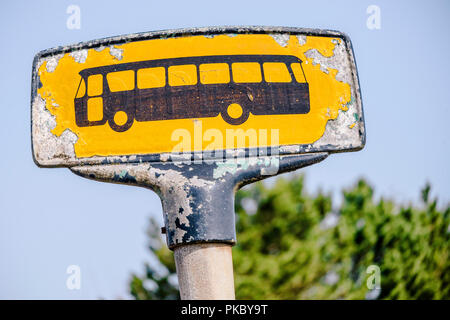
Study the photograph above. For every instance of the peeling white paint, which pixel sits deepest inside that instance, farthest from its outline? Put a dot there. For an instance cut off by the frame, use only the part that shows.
(301, 40)
(173, 197)
(198, 182)
(338, 61)
(290, 149)
(340, 129)
(100, 49)
(242, 163)
(282, 39)
(116, 52)
(229, 166)
(79, 56)
(164, 157)
(344, 130)
(52, 62)
(269, 166)
(47, 147)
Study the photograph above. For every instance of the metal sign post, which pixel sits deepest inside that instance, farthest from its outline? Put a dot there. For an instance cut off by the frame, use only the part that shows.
(194, 115)
(199, 213)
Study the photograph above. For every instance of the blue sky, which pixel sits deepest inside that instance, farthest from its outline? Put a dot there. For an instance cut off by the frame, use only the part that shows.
(50, 218)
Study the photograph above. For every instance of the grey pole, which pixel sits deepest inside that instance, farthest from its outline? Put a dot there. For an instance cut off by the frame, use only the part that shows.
(205, 271)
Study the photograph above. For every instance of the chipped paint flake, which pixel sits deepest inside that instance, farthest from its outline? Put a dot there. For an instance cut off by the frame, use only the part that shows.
(341, 129)
(100, 49)
(281, 39)
(79, 56)
(230, 166)
(301, 40)
(116, 52)
(290, 149)
(338, 61)
(164, 157)
(52, 62)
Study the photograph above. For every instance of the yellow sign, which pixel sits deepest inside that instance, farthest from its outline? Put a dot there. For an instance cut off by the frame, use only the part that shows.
(149, 96)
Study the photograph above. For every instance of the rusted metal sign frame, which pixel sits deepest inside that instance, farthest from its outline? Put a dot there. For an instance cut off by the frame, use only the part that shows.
(317, 146)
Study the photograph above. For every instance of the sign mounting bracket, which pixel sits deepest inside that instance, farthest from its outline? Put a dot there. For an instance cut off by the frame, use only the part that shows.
(198, 199)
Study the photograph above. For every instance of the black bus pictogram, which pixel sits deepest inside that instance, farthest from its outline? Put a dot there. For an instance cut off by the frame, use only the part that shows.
(193, 87)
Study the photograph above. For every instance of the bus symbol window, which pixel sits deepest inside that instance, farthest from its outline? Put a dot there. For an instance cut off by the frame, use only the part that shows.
(298, 72)
(183, 75)
(95, 109)
(214, 73)
(276, 72)
(95, 85)
(120, 80)
(151, 78)
(246, 72)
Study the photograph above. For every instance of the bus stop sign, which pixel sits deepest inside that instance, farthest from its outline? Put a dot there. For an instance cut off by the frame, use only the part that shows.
(196, 113)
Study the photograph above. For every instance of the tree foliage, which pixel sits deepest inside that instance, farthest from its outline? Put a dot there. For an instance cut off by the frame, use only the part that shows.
(292, 245)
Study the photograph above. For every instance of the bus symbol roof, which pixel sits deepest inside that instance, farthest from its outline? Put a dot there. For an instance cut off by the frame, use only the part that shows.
(191, 60)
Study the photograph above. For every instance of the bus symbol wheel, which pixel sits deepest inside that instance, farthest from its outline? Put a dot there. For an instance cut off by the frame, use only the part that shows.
(235, 113)
(121, 121)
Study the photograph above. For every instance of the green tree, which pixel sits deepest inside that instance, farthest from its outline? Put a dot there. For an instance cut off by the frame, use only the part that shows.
(292, 245)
